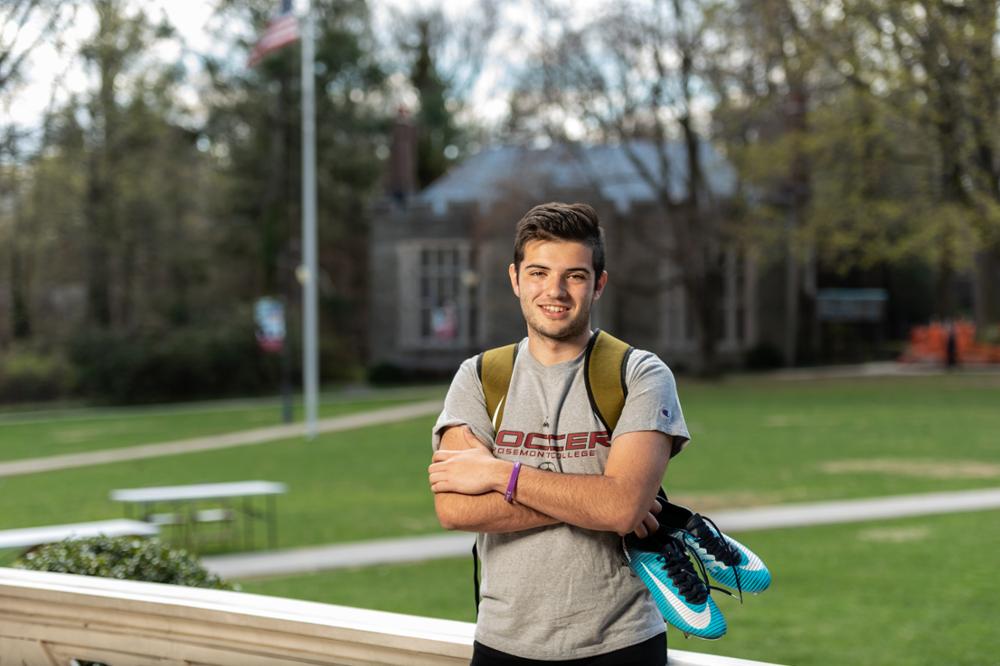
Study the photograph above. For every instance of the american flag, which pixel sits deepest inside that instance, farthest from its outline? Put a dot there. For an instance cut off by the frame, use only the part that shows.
(282, 30)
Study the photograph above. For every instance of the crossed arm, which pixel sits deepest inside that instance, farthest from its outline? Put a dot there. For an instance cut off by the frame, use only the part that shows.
(468, 485)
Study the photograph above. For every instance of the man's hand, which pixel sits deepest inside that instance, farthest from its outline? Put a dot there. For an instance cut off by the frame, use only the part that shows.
(473, 471)
(619, 500)
(649, 524)
(468, 485)
(487, 512)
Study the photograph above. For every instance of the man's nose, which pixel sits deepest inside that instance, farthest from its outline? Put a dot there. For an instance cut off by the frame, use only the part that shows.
(555, 287)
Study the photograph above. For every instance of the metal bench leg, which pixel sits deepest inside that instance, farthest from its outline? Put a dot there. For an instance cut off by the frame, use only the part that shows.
(247, 524)
(272, 521)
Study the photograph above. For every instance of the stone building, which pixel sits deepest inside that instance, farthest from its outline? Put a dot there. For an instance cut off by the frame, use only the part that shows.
(439, 257)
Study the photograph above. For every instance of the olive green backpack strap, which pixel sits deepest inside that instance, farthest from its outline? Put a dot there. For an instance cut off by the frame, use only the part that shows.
(604, 374)
(495, 367)
(604, 371)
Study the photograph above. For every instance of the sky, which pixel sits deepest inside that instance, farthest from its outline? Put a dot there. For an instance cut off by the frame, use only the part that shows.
(193, 20)
(47, 70)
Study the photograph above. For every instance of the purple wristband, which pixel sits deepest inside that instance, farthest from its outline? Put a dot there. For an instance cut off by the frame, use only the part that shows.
(512, 484)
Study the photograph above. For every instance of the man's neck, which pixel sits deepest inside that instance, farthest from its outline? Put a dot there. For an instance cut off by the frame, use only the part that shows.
(550, 352)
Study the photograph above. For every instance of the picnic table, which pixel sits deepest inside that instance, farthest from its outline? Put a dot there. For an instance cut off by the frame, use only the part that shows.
(185, 506)
(29, 537)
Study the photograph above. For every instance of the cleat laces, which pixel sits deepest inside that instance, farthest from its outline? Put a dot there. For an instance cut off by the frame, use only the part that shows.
(694, 588)
(718, 547)
(678, 567)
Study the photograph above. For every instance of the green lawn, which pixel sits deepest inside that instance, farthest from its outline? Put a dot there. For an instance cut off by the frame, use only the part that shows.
(28, 434)
(440, 588)
(766, 441)
(343, 486)
(913, 591)
(756, 441)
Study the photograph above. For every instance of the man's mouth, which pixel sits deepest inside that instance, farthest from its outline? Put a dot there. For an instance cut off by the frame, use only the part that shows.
(554, 309)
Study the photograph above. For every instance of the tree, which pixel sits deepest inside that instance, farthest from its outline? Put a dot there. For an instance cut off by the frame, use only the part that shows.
(24, 26)
(771, 87)
(128, 217)
(632, 77)
(890, 162)
(443, 57)
(47, 234)
(932, 68)
(254, 129)
(435, 126)
(122, 135)
(11, 177)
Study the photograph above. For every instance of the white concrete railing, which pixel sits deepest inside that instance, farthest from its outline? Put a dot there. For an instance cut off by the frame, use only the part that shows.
(50, 619)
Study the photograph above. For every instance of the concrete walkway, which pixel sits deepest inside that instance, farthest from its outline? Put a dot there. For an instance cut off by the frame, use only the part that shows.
(416, 549)
(213, 442)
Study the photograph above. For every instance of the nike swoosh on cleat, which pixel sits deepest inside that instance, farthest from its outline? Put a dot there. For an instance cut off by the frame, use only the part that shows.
(702, 618)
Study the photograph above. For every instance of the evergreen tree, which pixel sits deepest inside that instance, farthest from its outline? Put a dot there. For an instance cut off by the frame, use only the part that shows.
(254, 129)
(436, 130)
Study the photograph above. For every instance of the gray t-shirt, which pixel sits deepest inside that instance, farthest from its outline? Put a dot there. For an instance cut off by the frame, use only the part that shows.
(561, 592)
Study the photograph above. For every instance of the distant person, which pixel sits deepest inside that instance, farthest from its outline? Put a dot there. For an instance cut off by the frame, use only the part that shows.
(552, 489)
(951, 347)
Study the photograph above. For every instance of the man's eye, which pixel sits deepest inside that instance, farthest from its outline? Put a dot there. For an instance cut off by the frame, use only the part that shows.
(577, 276)
(536, 273)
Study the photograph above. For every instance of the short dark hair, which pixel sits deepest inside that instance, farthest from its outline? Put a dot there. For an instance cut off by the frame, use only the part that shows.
(555, 221)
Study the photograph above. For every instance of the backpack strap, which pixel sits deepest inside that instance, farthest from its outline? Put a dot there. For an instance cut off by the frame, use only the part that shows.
(475, 575)
(605, 361)
(495, 367)
(604, 371)
(604, 374)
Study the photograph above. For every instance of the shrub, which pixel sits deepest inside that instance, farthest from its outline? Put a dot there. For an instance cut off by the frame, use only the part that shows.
(386, 373)
(764, 356)
(124, 558)
(382, 374)
(990, 335)
(28, 376)
(183, 363)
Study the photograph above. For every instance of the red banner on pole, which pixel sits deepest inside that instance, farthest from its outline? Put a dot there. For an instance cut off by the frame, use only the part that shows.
(269, 316)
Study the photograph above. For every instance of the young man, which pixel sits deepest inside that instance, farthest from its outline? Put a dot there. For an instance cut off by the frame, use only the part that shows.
(556, 586)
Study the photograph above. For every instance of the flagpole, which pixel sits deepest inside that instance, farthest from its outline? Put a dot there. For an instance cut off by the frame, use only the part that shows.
(310, 274)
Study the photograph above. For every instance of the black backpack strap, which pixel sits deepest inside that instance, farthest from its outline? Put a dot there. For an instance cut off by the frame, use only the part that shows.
(475, 575)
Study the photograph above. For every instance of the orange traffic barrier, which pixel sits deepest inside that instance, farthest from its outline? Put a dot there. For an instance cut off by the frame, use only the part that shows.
(929, 344)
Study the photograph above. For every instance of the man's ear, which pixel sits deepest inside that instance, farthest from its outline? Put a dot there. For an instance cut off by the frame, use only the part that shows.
(512, 270)
(601, 283)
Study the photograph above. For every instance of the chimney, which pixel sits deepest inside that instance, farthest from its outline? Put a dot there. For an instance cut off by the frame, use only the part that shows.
(402, 174)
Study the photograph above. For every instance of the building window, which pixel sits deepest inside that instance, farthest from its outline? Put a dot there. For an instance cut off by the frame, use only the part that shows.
(734, 301)
(678, 326)
(439, 290)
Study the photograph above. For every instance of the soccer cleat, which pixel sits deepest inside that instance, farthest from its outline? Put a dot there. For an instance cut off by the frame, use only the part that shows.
(726, 559)
(679, 593)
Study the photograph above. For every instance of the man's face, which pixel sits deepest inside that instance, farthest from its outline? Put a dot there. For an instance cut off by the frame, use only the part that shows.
(556, 287)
